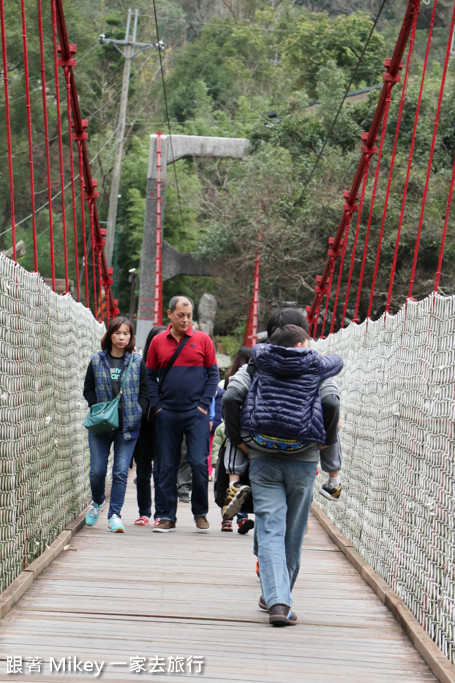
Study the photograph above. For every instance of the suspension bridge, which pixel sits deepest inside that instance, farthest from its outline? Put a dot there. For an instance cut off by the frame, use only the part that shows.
(68, 595)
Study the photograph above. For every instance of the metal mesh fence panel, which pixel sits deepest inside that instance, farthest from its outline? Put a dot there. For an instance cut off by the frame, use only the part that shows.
(46, 341)
(397, 429)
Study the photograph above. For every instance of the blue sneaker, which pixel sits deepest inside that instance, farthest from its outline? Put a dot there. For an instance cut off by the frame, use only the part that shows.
(115, 524)
(93, 513)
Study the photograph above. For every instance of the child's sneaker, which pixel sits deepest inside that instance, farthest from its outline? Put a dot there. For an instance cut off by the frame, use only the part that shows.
(330, 492)
(93, 513)
(226, 525)
(115, 524)
(244, 526)
(236, 495)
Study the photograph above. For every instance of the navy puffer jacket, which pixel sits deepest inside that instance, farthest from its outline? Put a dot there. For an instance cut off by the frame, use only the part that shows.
(284, 400)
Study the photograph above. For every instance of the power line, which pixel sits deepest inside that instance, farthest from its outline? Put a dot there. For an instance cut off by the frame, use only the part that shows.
(167, 114)
(128, 48)
(227, 20)
(335, 119)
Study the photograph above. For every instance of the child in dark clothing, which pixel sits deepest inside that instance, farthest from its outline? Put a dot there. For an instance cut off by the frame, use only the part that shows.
(234, 466)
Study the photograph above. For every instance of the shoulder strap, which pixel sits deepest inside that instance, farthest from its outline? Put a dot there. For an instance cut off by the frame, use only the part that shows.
(172, 360)
(126, 373)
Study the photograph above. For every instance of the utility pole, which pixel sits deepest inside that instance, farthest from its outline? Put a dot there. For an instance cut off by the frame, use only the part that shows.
(128, 48)
(132, 280)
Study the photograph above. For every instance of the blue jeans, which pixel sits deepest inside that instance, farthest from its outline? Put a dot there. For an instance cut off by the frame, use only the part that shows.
(100, 445)
(282, 490)
(170, 428)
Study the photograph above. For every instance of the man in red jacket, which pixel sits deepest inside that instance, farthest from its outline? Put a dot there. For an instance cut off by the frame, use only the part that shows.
(180, 397)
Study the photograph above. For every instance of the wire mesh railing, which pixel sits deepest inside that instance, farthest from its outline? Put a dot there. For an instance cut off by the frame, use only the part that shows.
(398, 440)
(45, 345)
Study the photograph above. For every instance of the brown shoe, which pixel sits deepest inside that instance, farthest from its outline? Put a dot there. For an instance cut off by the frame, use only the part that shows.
(282, 615)
(262, 603)
(163, 526)
(202, 525)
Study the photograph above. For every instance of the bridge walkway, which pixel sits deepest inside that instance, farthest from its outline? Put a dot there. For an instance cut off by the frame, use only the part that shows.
(167, 602)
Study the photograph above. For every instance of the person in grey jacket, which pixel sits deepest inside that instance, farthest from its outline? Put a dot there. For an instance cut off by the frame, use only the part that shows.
(330, 452)
(282, 485)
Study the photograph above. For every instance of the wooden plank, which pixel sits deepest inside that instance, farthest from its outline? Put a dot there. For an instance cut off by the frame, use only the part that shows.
(113, 597)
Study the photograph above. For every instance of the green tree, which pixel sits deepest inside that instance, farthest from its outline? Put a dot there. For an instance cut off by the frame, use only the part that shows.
(230, 59)
(319, 39)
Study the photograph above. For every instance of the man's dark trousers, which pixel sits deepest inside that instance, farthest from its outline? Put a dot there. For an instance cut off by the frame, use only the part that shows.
(170, 428)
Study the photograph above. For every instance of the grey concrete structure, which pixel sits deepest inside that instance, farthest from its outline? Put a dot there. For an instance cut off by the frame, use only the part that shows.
(174, 262)
(206, 312)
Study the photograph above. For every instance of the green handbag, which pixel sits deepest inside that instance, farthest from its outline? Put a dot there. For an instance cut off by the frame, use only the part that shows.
(103, 418)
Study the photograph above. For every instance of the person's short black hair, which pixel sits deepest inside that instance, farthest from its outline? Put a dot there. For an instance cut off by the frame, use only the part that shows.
(175, 299)
(289, 335)
(152, 333)
(286, 316)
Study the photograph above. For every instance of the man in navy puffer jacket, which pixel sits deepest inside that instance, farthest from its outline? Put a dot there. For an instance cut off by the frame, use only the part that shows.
(283, 414)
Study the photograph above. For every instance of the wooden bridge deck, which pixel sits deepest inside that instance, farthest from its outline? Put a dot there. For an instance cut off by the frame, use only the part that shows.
(143, 598)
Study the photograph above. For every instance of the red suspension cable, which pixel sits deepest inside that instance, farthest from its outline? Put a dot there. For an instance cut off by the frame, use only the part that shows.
(430, 160)
(73, 184)
(329, 289)
(414, 132)
(84, 236)
(46, 139)
(91, 193)
(251, 329)
(444, 232)
(100, 312)
(8, 128)
(381, 235)
(92, 240)
(322, 288)
(392, 162)
(357, 230)
(29, 131)
(390, 77)
(60, 142)
(370, 216)
(403, 203)
(343, 245)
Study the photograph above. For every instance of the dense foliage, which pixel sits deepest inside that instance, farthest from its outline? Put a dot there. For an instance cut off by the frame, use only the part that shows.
(276, 74)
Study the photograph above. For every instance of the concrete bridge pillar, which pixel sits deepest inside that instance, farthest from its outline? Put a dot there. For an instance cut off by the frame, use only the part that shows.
(174, 262)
